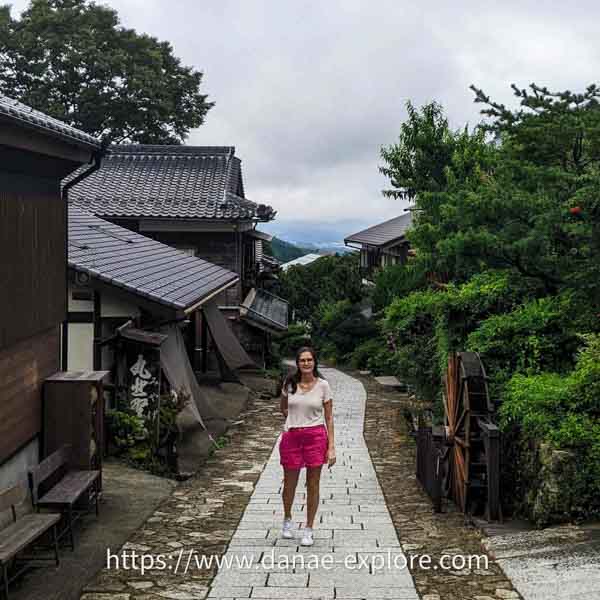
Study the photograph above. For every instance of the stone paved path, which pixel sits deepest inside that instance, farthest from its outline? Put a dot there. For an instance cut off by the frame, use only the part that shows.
(354, 535)
(562, 563)
(422, 531)
(199, 517)
(232, 508)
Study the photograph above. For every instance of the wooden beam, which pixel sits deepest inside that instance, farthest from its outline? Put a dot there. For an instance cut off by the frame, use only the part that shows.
(204, 342)
(199, 225)
(97, 331)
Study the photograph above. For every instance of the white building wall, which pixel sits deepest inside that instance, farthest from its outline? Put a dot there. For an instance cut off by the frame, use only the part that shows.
(81, 335)
(81, 347)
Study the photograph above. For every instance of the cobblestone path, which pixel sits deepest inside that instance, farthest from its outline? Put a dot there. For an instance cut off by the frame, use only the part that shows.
(422, 531)
(232, 509)
(354, 536)
(199, 517)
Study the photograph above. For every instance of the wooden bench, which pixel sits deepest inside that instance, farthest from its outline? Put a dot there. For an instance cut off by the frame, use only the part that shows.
(66, 488)
(21, 533)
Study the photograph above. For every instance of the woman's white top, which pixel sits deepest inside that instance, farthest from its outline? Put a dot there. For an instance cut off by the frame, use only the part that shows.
(305, 409)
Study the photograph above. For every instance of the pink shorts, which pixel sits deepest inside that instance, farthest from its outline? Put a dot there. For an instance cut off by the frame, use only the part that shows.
(303, 447)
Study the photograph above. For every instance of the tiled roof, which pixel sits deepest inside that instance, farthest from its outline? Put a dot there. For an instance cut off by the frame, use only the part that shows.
(139, 264)
(266, 309)
(26, 116)
(175, 182)
(301, 261)
(383, 233)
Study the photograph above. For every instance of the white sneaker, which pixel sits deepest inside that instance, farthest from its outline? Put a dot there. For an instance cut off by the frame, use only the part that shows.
(307, 538)
(286, 531)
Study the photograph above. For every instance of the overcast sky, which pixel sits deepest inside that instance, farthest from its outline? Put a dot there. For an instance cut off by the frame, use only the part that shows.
(309, 91)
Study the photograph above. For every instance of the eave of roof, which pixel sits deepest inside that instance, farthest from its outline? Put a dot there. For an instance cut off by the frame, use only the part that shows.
(142, 266)
(382, 234)
(260, 235)
(20, 114)
(169, 182)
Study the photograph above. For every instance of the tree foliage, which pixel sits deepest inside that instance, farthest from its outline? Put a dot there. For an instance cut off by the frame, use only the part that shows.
(72, 60)
(326, 295)
(564, 411)
(417, 162)
(506, 237)
(328, 279)
(525, 199)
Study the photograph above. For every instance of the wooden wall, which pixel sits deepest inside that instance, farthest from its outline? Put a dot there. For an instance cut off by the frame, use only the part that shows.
(33, 297)
(33, 256)
(23, 368)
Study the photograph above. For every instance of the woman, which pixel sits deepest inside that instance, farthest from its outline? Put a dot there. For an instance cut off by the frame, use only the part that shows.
(307, 440)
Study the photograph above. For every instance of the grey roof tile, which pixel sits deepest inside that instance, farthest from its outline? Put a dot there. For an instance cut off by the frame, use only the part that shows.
(34, 119)
(382, 233)
(175, 182)
(139, 264)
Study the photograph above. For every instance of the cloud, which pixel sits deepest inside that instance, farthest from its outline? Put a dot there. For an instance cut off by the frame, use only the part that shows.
(309, 91)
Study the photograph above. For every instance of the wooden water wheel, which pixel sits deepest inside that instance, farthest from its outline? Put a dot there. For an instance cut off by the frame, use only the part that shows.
(471, 456)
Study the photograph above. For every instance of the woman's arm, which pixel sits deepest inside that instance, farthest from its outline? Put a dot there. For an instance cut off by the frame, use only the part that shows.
(283, 403)
(328, 408)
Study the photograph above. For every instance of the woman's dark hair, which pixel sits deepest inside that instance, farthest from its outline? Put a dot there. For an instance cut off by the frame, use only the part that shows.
(293, 379)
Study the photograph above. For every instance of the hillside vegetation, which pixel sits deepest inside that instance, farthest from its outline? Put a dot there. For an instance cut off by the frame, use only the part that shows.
(285, 251)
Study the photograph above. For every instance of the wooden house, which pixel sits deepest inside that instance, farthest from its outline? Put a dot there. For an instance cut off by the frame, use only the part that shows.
(193, 199)
(117, 276)
(382, 245)
(37, 152)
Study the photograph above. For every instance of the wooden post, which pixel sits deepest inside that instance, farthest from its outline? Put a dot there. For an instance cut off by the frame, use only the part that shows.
(158, 400)
(65, 344)
(197, 323)
(491, 438)
(204, 342)
(97, 360)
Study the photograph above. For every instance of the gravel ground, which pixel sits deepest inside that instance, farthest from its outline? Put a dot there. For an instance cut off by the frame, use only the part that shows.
(420, 530)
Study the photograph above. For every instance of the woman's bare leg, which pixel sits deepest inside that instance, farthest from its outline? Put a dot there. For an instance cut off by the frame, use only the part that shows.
(313, 479)
(290, 481)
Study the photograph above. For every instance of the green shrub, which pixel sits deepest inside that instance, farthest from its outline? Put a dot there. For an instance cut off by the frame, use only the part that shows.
(329, 279)
(340, 329)
(328, 352)
(535, 403)
(411, 321)
(297, 335)
(149, 442)
(366, 351)
(413, 313)
(383, 362)
(485, 294)
(540, 335)
(125, 429)
(585, 380)
(331, 313)
(562, 412)
(396, 281)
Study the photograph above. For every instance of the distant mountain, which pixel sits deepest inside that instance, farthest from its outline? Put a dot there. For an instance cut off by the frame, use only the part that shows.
(327, 247)
(285, 251)
(313, 236)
